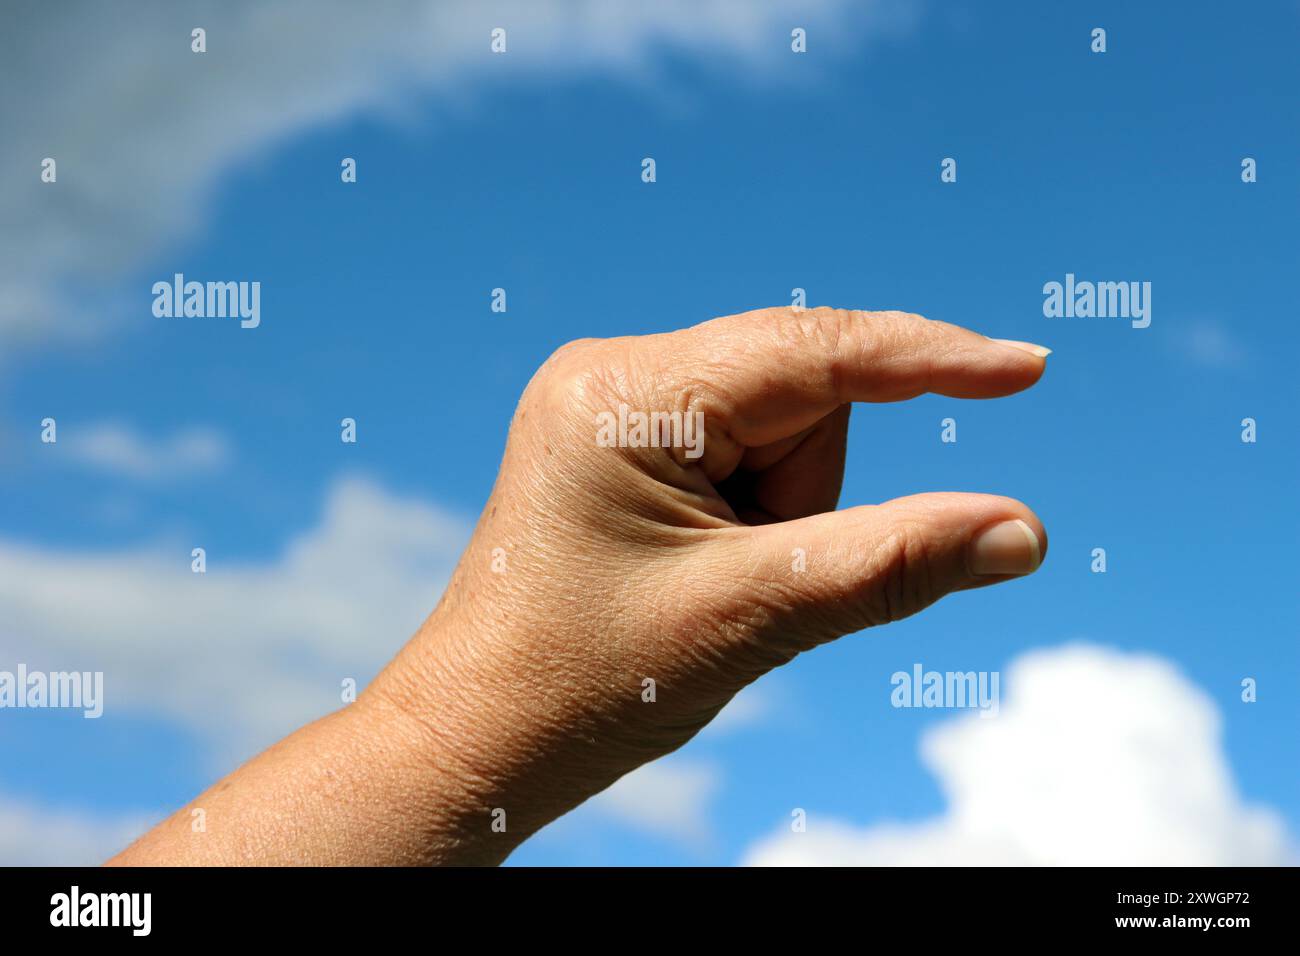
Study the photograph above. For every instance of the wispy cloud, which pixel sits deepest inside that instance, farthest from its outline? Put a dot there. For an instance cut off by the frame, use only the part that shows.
(1097, 758)
(142, 129)
(121, 450)
(669, 798)
(750, 708)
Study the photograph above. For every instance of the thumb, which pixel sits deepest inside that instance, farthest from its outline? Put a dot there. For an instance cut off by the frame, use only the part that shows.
(843, 571)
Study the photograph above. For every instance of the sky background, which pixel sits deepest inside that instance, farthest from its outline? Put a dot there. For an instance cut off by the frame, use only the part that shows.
(1122, 735)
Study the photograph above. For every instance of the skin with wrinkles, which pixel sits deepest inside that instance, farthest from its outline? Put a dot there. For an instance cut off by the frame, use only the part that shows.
(522, 692)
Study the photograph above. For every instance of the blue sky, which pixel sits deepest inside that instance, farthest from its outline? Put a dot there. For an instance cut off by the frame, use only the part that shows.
(775, 171)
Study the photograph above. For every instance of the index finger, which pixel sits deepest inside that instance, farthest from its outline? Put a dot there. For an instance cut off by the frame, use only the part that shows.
(768, 374)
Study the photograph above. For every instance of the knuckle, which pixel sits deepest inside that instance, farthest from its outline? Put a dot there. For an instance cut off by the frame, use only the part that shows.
(904, 578)
(562, 391)
(820, 331)
(571, 369)
(820, 327)
(571, 354)
(695, 393)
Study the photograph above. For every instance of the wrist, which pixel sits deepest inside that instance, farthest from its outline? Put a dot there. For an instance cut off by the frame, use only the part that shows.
(434, 772)
(499, 747)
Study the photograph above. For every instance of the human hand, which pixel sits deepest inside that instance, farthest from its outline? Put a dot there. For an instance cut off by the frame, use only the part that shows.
(596, 570)
(615, 597)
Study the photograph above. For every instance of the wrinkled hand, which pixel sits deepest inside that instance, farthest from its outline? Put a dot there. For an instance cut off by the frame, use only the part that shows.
(598, 568)
(617, 592)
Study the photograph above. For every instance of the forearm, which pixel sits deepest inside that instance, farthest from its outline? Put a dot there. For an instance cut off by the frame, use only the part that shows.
(351, 788)
(431, 765)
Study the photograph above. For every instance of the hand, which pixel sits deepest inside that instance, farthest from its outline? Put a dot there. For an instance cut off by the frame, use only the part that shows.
(597, 569)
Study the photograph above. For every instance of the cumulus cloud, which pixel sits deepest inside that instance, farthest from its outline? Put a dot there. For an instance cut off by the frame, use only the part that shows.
(142, 129)
(121, 450)
(251, 649)
(1097, 758)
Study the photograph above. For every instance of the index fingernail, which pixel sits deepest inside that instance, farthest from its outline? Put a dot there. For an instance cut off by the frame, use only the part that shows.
(1035, 350)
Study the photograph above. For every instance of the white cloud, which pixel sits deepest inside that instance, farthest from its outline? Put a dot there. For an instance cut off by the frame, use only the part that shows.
(750, 708)
(142, 129)
(251, 649)
(670, 798)
(32, 835)
(1097, 758)
(120, 450)
(673, 797)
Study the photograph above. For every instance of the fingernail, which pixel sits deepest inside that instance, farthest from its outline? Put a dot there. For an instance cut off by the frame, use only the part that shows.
(1007, 548)
(1030, 347)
